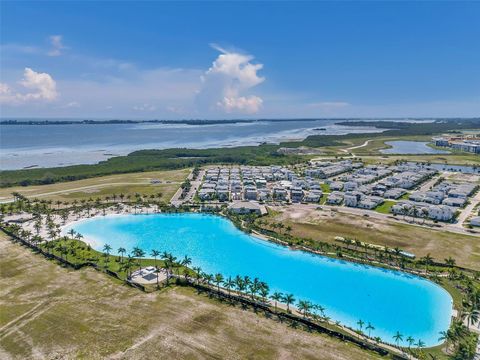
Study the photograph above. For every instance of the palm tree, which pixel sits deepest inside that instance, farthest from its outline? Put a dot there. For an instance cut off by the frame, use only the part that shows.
(276, 296)
(360, 324)
(173, 262)
(165, 255)
(447, 336)
(304, 306)
(420, 344)
(321, 309)
(52, 233)
(155, 254)
(427, 259)
(208, 278)
(240, 284)
(138, 253)
(167, 263)
(218, 280)
(288, 299)
(64, 251)
(127, 266)
(450, 261)
(37, 226)
(369, 327)
(410, 341)
(398, 337)
(186, 261)
(106, 249)
(229, 284)
(405, 210)
(122, 252)
(472, 316)
(264, 290)
(254, 287)
(198, 273)
(424, 213)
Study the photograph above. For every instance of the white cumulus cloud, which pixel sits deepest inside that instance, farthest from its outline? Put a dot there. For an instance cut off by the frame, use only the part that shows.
(249, 105)
(42, 84)
(227, 81)
(56, 42)
(38, 86)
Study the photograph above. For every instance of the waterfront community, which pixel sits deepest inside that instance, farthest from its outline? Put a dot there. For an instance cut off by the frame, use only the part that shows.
(247, 206)
(239, 180)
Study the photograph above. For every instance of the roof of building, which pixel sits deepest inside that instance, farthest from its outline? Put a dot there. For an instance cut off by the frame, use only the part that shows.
(247, 205)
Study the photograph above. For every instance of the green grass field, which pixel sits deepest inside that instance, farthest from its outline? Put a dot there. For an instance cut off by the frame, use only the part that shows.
(385, 207)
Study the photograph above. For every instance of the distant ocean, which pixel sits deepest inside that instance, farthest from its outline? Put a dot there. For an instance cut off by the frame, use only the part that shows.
(29, 146)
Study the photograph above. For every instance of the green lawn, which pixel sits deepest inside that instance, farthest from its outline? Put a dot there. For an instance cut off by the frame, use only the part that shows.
(323, 199)
(325, 187)
(385, 207)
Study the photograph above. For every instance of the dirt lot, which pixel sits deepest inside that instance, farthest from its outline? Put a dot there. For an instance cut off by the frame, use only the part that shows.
(324, 225)
(50, 312)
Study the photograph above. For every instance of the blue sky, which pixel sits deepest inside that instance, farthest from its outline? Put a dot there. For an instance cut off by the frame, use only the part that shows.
(235, 60)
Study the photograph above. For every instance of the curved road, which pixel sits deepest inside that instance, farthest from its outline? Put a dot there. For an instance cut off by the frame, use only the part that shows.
(348, 150)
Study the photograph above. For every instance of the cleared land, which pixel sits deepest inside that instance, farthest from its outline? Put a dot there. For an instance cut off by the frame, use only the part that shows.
(47, 311)
(128, 184)
(324, 225)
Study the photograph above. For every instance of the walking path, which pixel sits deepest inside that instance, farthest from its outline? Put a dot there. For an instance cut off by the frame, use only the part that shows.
(348, 150)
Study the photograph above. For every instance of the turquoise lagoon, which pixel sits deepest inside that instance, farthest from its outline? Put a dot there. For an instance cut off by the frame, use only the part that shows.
(390, 300)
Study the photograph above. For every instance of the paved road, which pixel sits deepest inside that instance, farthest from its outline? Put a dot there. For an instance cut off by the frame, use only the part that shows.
(195, 184)
(426, 186)
(468, 210)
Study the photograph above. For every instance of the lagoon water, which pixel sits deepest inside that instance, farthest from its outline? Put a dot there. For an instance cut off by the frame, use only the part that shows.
(411, 147)
(390, 300)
